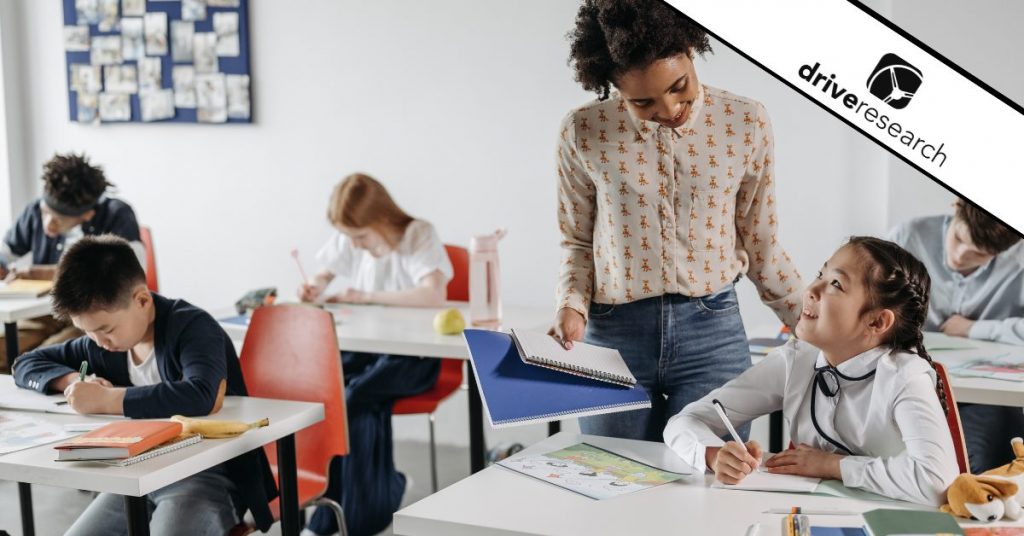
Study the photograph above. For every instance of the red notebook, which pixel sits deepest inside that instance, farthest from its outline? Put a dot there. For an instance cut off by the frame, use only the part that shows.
(122, 439)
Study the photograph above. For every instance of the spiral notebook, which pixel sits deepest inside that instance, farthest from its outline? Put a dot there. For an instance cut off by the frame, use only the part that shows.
(587, 360)
(515, 393)
(170, 446)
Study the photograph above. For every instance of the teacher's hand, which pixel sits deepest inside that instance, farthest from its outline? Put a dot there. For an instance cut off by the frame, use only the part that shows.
(569, 326)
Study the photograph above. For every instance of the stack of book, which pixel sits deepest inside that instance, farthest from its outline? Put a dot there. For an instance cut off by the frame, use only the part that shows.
(126, 442)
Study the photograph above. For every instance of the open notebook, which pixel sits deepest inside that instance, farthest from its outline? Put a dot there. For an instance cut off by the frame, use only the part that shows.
(587, 360)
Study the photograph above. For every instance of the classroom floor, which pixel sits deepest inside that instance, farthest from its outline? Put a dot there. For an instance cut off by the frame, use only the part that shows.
(57, 508)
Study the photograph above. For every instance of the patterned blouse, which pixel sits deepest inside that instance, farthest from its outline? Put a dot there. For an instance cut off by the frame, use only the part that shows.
(646, 210)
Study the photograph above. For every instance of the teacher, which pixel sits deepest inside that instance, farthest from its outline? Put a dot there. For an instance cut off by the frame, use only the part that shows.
(665, 199)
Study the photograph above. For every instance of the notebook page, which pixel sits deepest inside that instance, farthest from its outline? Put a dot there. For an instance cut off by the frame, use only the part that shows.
(588, 356)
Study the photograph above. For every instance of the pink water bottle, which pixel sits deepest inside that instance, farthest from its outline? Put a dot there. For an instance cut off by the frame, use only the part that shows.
(485, 280)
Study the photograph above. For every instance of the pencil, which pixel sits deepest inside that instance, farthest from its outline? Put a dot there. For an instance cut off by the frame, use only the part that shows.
(81, 371)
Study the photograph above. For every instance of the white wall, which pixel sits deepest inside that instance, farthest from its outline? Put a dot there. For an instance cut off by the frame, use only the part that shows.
(454, 104)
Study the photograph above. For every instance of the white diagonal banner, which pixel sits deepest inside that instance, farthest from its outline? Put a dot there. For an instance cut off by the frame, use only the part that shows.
(886, 86)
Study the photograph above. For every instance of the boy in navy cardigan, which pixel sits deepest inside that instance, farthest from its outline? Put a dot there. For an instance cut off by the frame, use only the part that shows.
(152, 357)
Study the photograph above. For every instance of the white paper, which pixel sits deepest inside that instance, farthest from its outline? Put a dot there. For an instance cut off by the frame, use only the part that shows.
(105, 50)
(88, 108)
(764, 481)
(85, 77)
(19, 432)
(150, 74)
(108, 15)
(184, 77)
(225, 25)
(182, 34)
(238, 96)
(222, 3)
(157, 105)
(193, 10)
(87, 11)
(133, 40)
(204, 52)
(120, 79)
(133, 8)
(211, 98)
(76, 38)
(115, 107)
(156, 33)
(29, 400)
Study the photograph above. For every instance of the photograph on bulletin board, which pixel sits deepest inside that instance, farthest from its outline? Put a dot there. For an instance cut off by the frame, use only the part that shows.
(184, 61)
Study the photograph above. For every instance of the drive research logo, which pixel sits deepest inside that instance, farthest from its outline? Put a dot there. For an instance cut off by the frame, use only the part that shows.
(894, 81)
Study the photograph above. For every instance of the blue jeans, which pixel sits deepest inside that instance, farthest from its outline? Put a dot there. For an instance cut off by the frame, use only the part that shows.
(200, 504)
(366, 483)
(679, 349)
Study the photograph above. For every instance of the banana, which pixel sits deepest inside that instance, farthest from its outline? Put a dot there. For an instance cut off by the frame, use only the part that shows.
(216, 429)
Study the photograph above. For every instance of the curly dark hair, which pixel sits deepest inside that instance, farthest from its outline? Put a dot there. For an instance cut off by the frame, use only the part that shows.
(898, 281)
(986, 232)
(73, 181)
(615, 36)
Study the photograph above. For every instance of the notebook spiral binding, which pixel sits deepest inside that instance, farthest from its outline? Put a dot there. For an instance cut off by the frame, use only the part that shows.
(582, 371)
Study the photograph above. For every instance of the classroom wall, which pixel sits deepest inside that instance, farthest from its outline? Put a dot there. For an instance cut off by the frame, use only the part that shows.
(454, 104)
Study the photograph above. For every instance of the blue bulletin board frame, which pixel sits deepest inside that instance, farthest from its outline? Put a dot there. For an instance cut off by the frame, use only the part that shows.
(227, 65)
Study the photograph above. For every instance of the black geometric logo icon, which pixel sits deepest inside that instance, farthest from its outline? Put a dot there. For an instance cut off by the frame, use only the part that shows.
(894, 81)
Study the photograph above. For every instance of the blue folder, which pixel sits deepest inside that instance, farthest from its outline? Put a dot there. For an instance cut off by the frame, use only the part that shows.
(516, 393)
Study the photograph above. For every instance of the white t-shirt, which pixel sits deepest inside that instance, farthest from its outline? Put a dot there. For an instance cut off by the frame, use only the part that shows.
(419, 253)
(145, 374)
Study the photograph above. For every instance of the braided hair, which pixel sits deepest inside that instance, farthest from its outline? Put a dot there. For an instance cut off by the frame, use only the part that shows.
(898, 281)
(612, 37)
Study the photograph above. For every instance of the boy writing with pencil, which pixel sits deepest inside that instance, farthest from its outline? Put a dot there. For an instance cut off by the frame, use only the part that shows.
(153, 357)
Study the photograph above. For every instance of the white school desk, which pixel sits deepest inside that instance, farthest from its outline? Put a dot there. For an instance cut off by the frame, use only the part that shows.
(37, 465)
(13, 310)
(409, 331)
(499, 501)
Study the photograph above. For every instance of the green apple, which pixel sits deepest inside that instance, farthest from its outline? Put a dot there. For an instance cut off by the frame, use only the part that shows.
(449, 322)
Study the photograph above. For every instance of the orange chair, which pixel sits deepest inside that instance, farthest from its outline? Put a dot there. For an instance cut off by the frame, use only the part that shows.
(450, 378)
(956, 429)
(301, 340)
(147, 241)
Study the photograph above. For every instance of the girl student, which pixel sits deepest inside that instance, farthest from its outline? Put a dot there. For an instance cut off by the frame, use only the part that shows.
(386, 257)
(857, 388)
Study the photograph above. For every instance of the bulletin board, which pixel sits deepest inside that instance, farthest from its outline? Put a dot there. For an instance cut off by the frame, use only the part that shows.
(184, 61)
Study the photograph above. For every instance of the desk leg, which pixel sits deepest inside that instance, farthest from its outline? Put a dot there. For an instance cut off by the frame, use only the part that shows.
(477, 444)
(138, 515)
(554, 427)
(287, 479)
(11, 340)
(775, 432)
(28, 524)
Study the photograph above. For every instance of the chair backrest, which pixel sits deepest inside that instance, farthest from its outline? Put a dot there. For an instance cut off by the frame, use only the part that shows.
(953, 419)
(291, 353)
(458, 287)
(146, 235)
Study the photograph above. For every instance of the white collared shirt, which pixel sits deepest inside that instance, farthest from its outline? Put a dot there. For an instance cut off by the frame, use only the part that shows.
(892, 421)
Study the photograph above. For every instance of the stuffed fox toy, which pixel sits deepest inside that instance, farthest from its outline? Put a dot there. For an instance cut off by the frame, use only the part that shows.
(992, 495)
